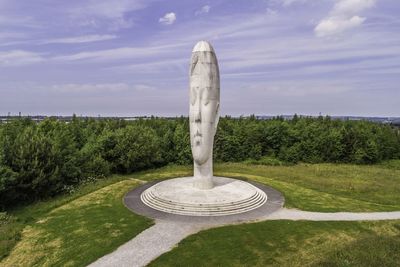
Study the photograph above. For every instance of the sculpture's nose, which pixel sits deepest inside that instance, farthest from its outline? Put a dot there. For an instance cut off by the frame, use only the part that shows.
(197, 115)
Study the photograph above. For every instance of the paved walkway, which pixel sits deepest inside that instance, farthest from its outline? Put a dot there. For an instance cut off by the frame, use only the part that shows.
(149, 244)
(166, 234)
(292, 214)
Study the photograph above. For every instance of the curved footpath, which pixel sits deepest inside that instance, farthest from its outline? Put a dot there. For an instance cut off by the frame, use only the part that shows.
(294, 215)
(165, 234)
(170, 229)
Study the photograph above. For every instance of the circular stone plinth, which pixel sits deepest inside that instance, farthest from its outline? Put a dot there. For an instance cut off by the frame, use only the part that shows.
(275, 202)
(227, 197)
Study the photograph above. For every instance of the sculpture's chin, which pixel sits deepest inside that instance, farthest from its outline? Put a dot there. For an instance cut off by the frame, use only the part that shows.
(200, 161)
(200, 157)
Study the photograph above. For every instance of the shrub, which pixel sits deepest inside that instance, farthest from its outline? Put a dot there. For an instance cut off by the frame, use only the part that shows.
(51, 157)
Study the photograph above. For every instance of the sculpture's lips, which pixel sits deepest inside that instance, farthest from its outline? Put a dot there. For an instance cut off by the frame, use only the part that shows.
(197, 134)
(197, 138)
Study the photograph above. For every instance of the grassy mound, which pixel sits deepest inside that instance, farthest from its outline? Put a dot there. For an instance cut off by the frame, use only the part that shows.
(79, 232)
(76, 229)
(326, 187)
(290, 243)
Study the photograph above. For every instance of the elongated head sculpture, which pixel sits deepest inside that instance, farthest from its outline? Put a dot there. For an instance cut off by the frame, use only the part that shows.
(204, 111)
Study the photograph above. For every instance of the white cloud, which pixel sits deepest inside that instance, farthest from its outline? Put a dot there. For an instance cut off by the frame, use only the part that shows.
(271, 12)
(12, 35)
(154, 66)
(343, 16)
(108, 54)
(120, 53)
(168, 18)
(205, 9)
(107, 9)
(331, 26)
(20, 21)
(19, 58)
(90, 88)
(80, 39)
(352, 6)
(286, 3)
(96, 13)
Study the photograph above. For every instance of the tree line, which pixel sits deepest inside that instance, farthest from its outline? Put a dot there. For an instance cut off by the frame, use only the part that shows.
(40, 160)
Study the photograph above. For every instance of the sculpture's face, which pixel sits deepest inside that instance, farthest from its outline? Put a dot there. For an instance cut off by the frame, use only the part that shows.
(204, 105)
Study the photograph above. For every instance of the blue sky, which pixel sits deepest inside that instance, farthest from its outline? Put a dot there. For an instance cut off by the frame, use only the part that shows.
(131, 57)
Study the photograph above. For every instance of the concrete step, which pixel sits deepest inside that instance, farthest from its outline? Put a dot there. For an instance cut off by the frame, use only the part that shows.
(256, 195)
(215, 209)
(150, 198)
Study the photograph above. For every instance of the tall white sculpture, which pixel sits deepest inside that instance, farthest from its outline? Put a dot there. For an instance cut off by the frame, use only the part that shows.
(204, 111)
(203, 194)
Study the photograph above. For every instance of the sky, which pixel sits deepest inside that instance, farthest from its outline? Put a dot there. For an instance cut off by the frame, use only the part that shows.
(131, 57)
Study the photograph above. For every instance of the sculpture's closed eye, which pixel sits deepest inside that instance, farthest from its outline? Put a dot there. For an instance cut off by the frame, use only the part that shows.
(193, 96)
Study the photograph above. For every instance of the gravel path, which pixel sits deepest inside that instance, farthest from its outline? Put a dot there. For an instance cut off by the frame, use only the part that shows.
(149, 244)
(294, 215)
(166, 234)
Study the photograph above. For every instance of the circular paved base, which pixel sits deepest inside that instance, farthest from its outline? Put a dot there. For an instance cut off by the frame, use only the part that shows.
(180, 196)
(275, 202)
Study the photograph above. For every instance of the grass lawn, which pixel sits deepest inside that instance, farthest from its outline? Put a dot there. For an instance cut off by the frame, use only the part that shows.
(76, 229)
(79, 232)
(290, 243)
(326, 187)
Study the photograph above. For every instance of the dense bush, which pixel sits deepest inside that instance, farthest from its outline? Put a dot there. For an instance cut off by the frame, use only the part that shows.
(39, 160)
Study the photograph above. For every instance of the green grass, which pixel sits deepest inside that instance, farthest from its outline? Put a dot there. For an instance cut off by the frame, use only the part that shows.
(78, 228)
(315, 187)
(326, 187)
(290, 243)
(79, 232)
(267, 161)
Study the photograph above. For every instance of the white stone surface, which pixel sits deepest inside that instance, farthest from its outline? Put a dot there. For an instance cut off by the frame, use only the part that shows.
(203, 110)
(181, 196)
(203, 46)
